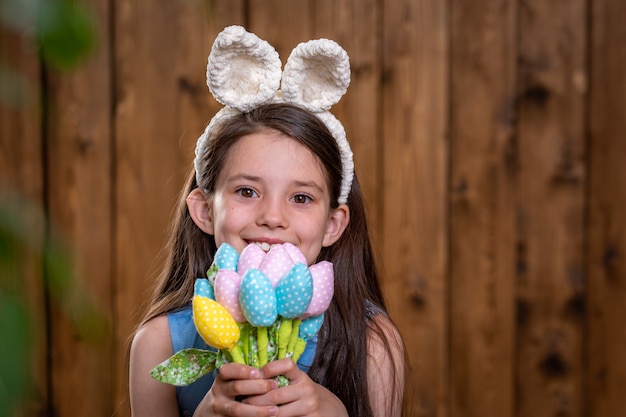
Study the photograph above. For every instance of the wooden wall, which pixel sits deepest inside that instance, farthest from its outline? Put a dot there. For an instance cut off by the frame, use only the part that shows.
(489, 136)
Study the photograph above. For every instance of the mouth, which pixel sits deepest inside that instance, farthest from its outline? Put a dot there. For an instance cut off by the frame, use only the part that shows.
(266, 246)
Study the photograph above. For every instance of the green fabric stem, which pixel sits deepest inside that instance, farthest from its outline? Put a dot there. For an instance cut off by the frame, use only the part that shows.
(244, 339)
(284, 334)
(293, 337)
(262, 343)
(298, 349)
(236, 355)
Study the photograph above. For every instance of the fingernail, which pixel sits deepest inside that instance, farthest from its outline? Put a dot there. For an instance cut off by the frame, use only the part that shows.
(254, 374)
(273, 411)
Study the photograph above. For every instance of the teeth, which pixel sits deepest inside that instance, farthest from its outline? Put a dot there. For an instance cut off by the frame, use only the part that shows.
(264, 245)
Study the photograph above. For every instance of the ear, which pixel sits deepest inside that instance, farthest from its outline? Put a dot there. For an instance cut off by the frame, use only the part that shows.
(200, 210)
(337, 223)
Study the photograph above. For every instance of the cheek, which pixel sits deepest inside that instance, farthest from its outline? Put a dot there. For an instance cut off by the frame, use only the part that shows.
(314, 240)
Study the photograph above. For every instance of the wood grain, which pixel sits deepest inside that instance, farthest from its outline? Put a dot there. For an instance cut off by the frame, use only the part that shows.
(489, 141)
(415, 152)
(482, 208)
(606, 199)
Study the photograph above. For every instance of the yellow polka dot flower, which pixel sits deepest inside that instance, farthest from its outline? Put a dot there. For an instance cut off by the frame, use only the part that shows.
(214, 323)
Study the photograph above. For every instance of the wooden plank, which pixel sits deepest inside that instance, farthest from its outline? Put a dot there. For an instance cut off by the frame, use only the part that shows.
(414, 148)
(606, 288)
(162, 106)
(79, 198)
(483, 171)
(355, 25)
(551, 189)
(283, 24)
(21, 172)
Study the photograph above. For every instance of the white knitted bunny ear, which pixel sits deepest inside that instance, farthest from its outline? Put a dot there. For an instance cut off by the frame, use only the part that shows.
(316, 75)
(243, 70)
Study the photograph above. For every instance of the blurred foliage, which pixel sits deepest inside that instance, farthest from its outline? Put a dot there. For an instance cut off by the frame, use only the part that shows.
(63, 30)
(29, 250)
(18, 243)
(63, 33)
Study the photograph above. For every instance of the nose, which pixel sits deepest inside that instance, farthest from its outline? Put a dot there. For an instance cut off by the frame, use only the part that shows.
(271, 213)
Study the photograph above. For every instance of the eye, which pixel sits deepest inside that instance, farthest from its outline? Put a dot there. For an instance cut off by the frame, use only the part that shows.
(247, 192)
(301, 199)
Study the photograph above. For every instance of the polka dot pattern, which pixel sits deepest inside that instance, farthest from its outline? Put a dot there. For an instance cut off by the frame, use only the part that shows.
(294, 292)
(276, 264)
(203, 288)
(294, 253)
(323, 288)
(227, 285)
(214, 323)
(258, 299)
(226, 257)
(310, 326)
(251, 257)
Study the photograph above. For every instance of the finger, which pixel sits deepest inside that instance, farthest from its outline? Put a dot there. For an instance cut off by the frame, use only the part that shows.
(232, 371)
(236, 408)
(235, 380)
(285, 367)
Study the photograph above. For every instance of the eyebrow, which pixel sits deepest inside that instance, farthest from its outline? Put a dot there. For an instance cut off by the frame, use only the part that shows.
(254, 178)
(309, 184)
(245, 177)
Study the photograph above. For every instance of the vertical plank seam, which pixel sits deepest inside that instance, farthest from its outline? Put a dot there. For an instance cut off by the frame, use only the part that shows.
(447, 280)
(117, 348)
(586, 258)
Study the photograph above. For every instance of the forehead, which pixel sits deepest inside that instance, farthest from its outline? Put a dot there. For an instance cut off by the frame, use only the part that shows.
(273, 152)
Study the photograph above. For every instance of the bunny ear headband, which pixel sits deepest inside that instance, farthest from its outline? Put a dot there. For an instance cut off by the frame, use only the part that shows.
(244, 72)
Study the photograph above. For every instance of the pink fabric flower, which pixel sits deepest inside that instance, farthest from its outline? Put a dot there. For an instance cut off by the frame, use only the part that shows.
(323, 288)
(227, 284)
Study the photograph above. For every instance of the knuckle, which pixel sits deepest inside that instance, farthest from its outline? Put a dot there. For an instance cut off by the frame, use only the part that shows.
(238, 386)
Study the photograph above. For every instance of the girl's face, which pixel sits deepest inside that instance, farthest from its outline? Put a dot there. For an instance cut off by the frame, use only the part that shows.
(271, 190)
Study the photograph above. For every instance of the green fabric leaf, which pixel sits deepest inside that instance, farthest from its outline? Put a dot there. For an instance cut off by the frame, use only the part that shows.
(221, 359)
(212, 272)
(272, 343)
(185, 367)
(252, 358)
(282, 380)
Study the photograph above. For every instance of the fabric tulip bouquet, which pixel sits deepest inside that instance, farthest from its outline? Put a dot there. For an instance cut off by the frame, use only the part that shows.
(252, 309)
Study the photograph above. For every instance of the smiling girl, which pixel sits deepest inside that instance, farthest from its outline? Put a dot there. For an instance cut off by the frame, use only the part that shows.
(275, 173)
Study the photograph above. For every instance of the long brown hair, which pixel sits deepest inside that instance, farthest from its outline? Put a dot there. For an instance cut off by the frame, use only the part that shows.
(341, 360)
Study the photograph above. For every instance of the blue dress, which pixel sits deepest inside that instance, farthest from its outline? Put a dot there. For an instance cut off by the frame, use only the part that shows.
(184, 335)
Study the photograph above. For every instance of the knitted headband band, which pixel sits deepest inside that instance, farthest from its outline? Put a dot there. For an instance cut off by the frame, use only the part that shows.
(244, 72)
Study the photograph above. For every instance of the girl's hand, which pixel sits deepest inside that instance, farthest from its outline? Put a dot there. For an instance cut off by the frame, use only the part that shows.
(302, 397)
(234, 381)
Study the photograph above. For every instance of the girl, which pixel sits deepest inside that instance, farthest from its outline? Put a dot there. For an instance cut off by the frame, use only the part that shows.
(274, 174)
